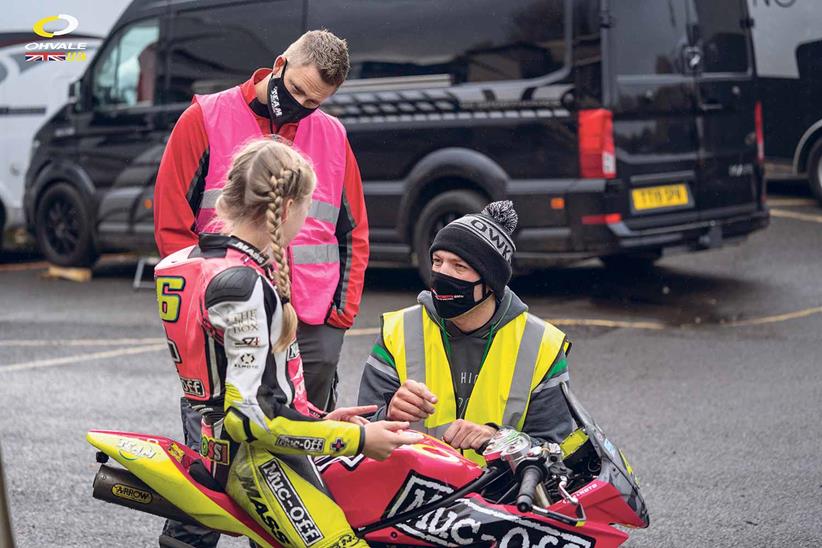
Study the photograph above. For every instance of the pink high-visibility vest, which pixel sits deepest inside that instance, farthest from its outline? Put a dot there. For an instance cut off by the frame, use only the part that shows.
(314, 254)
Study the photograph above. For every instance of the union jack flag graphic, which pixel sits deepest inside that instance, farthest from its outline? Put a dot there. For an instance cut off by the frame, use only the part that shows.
(46, 56)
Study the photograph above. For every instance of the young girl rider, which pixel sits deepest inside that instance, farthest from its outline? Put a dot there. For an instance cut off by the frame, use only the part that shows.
(231, 331)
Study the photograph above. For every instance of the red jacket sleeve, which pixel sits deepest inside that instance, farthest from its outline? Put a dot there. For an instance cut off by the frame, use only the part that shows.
(352, 235)
(180, 183)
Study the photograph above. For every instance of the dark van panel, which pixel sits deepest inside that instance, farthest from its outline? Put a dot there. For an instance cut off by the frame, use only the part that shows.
(618, 128)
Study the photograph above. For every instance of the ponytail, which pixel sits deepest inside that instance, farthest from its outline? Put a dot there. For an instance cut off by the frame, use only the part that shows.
(283, 279)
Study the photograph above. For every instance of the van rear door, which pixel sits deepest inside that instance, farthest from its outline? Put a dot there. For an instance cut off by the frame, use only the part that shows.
(653, 98)
(723, 68)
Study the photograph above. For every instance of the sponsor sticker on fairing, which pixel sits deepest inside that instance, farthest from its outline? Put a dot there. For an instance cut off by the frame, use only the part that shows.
(473, 521)
(291, 503)
(131, 449)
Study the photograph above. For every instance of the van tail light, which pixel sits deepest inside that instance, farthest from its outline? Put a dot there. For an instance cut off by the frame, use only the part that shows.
(606, 219)
(760, 133)
(596, 144)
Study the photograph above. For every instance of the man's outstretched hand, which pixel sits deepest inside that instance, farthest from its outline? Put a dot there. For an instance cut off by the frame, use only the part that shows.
(463, 434)
(411, 402)
(351, 414)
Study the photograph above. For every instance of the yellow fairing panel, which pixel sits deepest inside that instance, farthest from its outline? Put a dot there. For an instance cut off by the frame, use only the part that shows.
(149, 462)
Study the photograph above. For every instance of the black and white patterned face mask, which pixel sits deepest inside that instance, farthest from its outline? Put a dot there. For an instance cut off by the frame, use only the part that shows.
(283, 108)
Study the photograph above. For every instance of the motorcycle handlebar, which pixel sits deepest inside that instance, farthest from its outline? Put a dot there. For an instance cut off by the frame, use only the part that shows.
(531, 477)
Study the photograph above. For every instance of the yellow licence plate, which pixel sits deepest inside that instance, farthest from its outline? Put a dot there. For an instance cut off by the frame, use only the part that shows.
(658, 197)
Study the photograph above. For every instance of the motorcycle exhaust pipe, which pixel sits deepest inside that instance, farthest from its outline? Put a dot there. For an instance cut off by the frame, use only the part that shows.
(119, 486)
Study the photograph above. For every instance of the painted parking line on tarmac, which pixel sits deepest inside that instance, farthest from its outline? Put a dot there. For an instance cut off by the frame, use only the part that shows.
(78, 342)
(82, 358)
(776, 318)
(614, 324)
(798, 216)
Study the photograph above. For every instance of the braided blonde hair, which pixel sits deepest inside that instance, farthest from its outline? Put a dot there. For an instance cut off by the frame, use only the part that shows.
(264, 175)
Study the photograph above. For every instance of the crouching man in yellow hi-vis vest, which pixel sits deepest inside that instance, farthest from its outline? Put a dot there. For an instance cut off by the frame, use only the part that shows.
(469, 357)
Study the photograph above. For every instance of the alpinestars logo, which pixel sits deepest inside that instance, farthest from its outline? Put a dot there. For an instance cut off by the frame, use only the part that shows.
(292, 504)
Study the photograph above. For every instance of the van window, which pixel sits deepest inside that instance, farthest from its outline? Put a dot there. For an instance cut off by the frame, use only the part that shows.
(469, 40)
(126, 73)
(648, 37)
(214, 49)
(723, 40)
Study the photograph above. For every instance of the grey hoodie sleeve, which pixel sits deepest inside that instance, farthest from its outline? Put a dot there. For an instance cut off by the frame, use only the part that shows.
(379, 379)
(548, 416)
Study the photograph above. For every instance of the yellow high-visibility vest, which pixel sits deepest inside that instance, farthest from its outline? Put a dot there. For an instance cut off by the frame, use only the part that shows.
(520, 356)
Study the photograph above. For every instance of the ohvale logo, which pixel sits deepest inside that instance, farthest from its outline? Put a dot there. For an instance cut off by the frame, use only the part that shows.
(56, 50)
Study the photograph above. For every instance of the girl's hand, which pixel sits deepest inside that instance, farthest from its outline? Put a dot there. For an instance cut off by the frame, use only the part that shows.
(381, 438)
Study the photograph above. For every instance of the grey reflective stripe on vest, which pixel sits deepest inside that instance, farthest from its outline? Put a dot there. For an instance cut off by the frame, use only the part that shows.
(414, 352)
(438, 431)
(315, 254)
(209, 200)
(520, 390)
(386, 370)
(551, 383)
(323, 211)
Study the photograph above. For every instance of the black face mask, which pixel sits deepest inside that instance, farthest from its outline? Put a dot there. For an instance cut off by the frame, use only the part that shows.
(454, 297)
(282, 107)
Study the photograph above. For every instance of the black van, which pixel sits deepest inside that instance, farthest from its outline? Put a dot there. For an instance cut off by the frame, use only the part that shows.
(620, 129)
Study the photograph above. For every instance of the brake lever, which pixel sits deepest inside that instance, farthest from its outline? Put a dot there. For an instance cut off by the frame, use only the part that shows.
(561, 487)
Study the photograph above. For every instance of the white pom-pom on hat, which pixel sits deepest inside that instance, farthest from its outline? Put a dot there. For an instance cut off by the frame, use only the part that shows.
(503, 213)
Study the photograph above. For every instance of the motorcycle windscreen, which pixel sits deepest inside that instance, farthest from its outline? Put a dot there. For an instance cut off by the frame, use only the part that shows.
(616, 469)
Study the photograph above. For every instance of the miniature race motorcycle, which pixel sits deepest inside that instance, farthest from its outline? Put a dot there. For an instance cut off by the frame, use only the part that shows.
(426, 494)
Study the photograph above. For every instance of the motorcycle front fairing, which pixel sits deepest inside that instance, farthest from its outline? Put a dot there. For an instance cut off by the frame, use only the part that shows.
(615, 468)
(371, 492)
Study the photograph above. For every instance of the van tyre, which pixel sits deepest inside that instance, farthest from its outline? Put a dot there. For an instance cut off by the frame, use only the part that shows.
(440, 211)
(64, 227)
(815, 170)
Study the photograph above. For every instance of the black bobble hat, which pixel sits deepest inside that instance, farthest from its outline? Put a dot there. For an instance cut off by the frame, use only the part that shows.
(483, 240)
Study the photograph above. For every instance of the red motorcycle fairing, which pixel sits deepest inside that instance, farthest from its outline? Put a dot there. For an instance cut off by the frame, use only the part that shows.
(366, 489)
(369, 491)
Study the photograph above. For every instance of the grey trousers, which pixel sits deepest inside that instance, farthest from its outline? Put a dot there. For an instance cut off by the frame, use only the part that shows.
(320, 347)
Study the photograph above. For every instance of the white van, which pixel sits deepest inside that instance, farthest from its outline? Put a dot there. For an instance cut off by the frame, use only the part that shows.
(33, 87)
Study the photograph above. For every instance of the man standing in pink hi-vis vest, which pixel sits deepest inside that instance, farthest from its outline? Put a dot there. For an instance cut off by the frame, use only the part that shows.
(328, 257)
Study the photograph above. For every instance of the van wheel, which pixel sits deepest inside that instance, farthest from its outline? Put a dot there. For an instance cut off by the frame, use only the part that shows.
(631, 262)
(815, 170)
(64, 227)
(440, 211)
